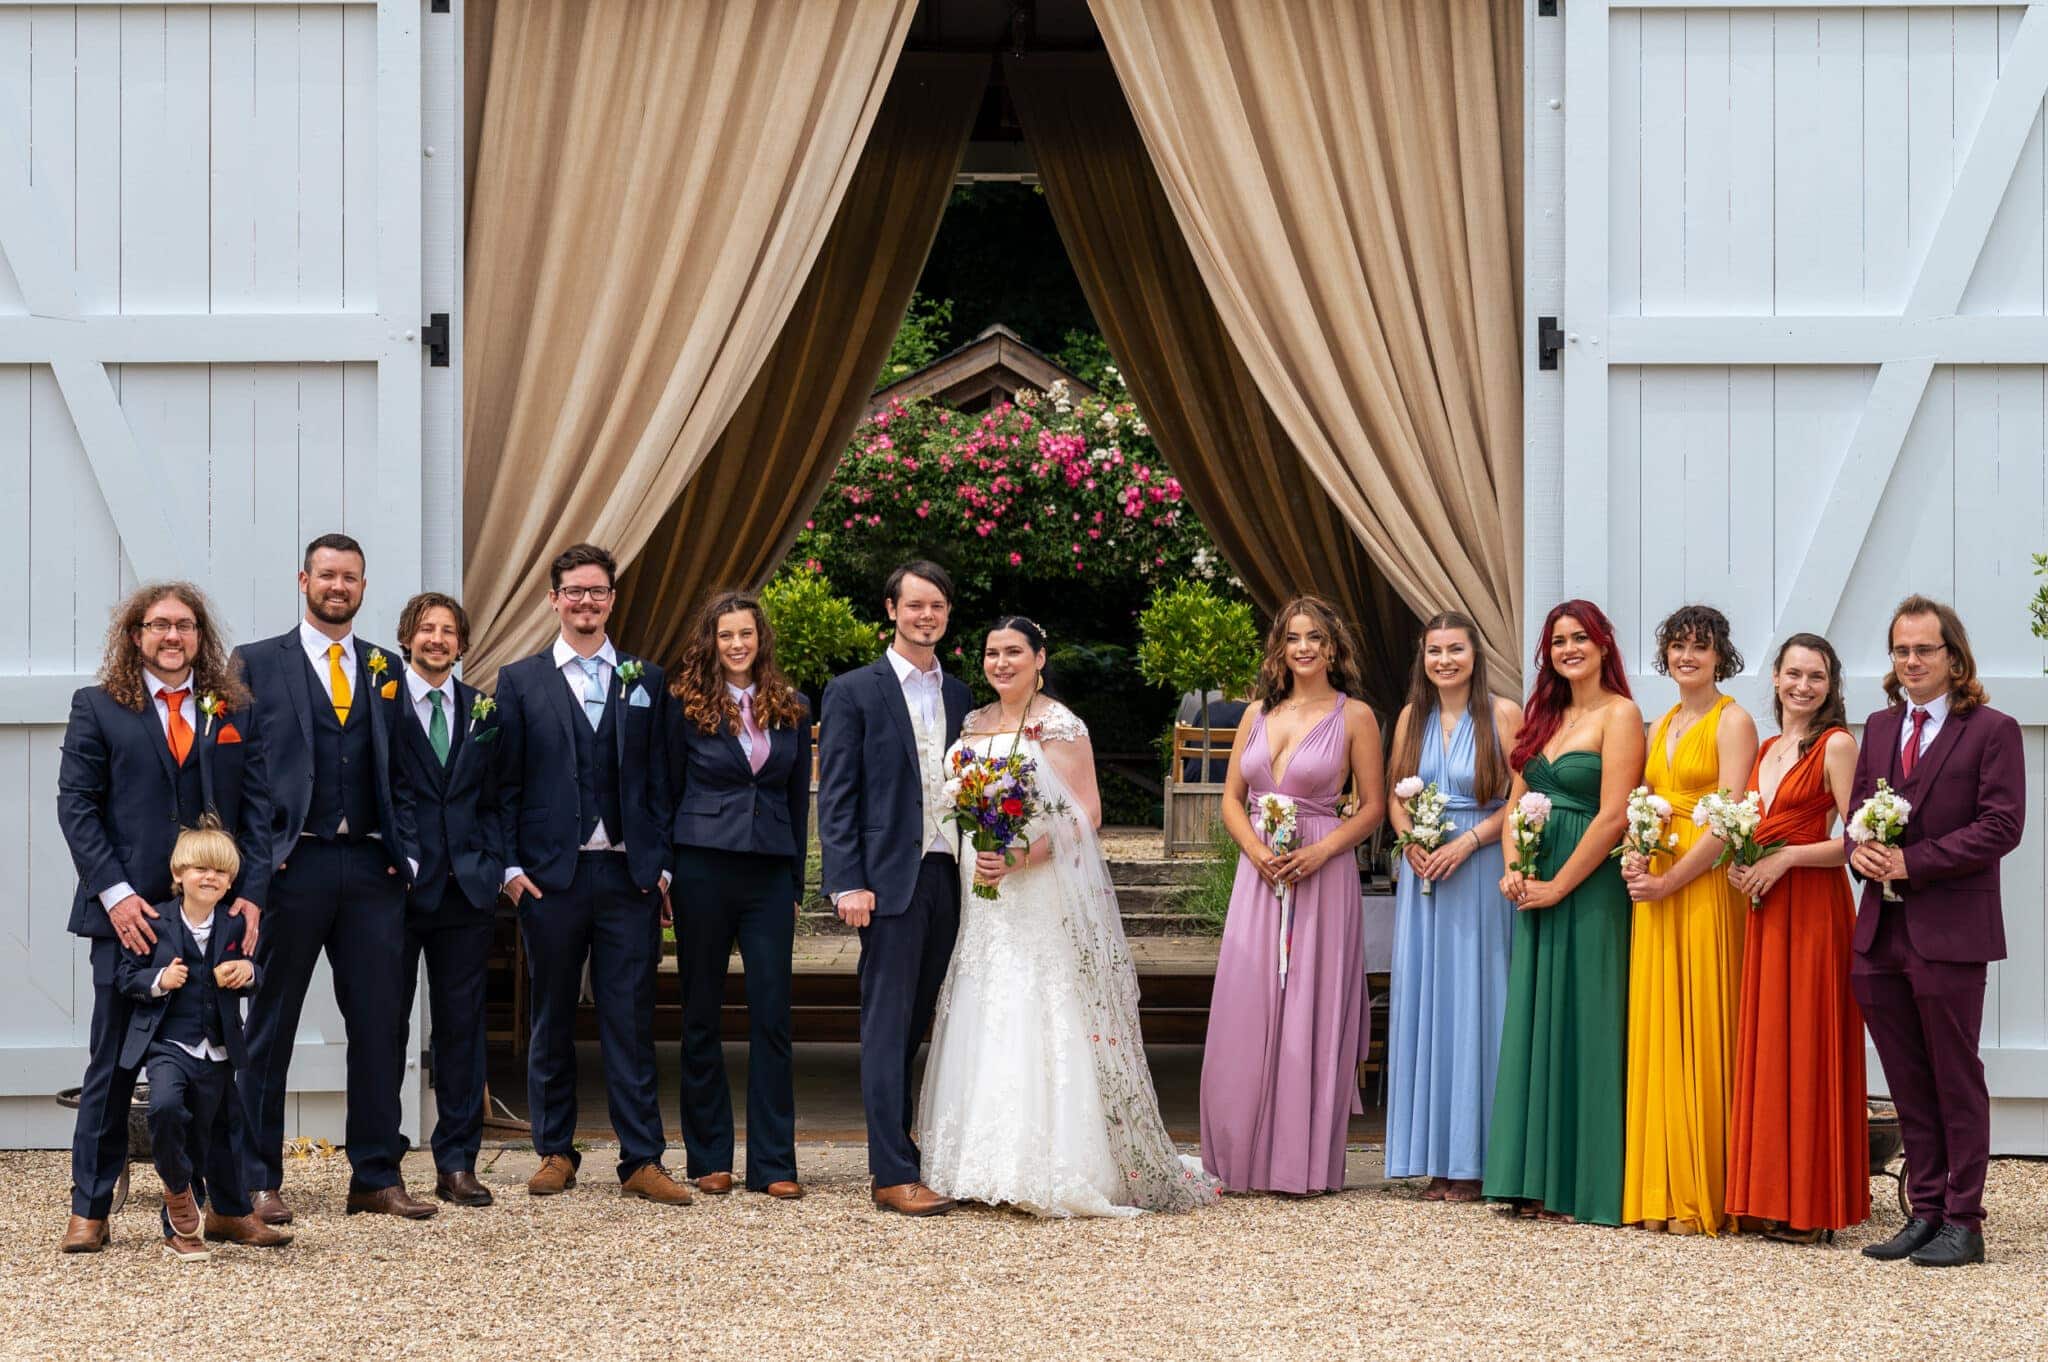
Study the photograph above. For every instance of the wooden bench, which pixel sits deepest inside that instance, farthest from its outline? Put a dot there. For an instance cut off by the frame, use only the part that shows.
(1195, 807)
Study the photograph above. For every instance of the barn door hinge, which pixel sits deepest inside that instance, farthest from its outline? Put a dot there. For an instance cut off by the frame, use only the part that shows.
(1549, 341)
(434, 335)
(441, 7)
(1546, 9)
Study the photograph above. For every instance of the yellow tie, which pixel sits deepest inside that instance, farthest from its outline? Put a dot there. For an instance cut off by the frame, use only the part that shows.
(337, 682)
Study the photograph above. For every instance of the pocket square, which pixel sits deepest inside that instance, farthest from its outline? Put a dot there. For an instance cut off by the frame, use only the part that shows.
(487, 734)
(227, 735)
(638, 699)
(390, 691)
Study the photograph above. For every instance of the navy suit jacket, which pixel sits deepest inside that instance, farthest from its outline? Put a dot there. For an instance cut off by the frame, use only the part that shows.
(720, 801)
(1969, 798)
(537, 805)
(870, 797)
(117, 800)
(455, 807)
(135, 974)
(276, 671)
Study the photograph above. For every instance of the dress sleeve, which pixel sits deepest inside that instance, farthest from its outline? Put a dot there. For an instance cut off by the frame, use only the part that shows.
(1064, 740)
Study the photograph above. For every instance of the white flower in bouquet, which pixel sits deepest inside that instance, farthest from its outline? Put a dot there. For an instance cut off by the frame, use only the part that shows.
(1525, 825)
(1735, 822)
(1425, 805)
(1881, 820)
(1647, 814)
(1277, 822)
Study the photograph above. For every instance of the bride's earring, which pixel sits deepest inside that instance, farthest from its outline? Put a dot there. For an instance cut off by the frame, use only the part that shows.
(1040, 682)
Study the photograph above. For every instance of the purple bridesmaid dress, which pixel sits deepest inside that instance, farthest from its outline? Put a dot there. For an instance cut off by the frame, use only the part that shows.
(1279, 1071)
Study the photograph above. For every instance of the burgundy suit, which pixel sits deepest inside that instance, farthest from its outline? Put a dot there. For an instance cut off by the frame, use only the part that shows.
(1919, 966)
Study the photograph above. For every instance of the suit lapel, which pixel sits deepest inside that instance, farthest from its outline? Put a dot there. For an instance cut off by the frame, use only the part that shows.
(153, 733)
(202, 752)
(1930, 763)
(897, 705)
(618, 697)
(295, 666)
(956, 702)
(565, 706)
(459, 736)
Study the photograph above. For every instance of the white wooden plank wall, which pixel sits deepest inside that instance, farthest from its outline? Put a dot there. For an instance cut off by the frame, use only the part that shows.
(190, 164)
(1792, 164)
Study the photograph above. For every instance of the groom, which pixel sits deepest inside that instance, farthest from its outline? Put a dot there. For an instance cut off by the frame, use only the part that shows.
(888, 857)
(1919, 964)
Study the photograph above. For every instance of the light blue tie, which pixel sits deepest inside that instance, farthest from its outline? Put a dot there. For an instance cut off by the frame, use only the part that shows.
(593, 693)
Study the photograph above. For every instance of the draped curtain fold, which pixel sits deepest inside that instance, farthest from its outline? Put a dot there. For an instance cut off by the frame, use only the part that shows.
(653, 184)
(737, 517)
(1346, 178)
(1247, 482)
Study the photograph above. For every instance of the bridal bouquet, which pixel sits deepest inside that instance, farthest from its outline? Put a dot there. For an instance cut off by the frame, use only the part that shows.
(1525, 828)
(1425, 806)
(1735, 822)
(1882, 820)
(1647, 814)
(993, 800)
(1277, 822)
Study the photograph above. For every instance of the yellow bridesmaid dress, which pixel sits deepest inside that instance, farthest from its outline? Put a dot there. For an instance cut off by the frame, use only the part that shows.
(1685, 978)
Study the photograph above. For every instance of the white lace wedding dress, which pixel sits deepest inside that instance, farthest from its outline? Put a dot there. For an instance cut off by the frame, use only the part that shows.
(1036, 1091)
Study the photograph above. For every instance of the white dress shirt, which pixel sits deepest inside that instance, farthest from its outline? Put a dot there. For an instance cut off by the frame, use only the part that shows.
(746, 738)
(202, 932)
(187, 707)
(419, 689)
(924, 695)
(316, 645)
(1937, 714)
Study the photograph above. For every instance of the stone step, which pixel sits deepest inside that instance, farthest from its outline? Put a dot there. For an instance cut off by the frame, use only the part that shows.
(1146, 872)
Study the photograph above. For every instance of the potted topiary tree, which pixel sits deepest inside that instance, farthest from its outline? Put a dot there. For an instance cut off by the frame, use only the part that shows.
(1192, 639)
(816, 631)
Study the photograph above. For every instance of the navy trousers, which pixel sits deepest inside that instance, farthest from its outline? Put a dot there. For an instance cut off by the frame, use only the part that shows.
(455, 940)
(603, 916)
(722, 897)
(192, 1115)
(903, 960)
(99, 1143)
(343, 898)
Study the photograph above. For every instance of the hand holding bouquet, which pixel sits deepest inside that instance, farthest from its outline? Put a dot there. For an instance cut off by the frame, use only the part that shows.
(1425, 806)
(1647, 815)
(1735, 822)
(993, 799)
(1881, 820)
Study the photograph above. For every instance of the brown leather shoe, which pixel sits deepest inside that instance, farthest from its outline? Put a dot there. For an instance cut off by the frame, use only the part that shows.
(183, 1213)
(912, 1198)
(186, 1249)
(462, 1188)
(715, 1184)
(269, 1207)
(392, 1200)
(651, 1182)
(556, 1174)
(83, 1236)
(785, 1191)
(246, 1230)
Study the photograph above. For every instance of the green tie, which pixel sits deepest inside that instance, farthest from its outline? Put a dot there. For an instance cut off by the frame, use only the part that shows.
(437, 726)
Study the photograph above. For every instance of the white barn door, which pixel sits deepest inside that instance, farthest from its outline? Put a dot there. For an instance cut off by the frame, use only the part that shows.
(1798, 264)
(212, 292)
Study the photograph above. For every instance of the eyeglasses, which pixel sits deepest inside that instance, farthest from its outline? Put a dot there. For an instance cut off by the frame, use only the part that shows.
(158, 628)
(597, 594)
(1923, 653)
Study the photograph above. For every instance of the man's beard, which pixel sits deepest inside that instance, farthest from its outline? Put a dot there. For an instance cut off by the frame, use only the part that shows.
(332, 614)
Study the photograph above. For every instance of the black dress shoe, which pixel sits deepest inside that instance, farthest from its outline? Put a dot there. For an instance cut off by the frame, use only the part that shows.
(1914, 1235)
(1953, 1247)
(462, 1188)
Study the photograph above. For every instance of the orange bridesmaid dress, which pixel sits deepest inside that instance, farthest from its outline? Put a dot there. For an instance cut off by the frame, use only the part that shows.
(1799, 1141)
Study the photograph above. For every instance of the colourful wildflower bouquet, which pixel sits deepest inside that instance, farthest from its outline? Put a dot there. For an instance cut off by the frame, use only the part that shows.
(993, 800)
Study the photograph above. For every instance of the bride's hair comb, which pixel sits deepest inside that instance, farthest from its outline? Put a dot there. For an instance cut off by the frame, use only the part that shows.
(1021, 623)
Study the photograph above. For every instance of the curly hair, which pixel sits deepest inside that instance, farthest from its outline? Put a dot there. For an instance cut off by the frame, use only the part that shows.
(1702, 626)
(1543, 714)
(1276, 678)
(121, 665)
(1965, 691)
(699, 682)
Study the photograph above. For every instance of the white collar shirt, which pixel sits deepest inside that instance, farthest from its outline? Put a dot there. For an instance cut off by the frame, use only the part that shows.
(316, 645)
(186, 706)
(1937, 715)
(419, 689)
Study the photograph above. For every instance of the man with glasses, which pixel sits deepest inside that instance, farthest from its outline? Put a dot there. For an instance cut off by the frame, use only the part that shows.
(158, 744)
(1919, 965)
(583, 795)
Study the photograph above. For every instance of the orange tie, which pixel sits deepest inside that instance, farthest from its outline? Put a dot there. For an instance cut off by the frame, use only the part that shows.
(181, 732)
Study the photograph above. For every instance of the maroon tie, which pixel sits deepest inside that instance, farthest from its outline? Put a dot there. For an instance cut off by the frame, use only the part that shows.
(1911, 756)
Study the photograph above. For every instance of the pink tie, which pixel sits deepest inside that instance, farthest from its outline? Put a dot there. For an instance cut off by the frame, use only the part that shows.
(757, 741)
(1911, 756)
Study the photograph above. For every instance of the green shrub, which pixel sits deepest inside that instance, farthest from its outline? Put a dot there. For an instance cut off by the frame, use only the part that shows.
(816, 632)
(1205, 901)
(1192, 639)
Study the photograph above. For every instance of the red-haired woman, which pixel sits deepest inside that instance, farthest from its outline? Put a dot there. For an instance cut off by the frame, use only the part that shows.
(1556, 1145)
(739, 753)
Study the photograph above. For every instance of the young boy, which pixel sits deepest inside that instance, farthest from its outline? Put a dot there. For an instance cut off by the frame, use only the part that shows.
(187, 1028)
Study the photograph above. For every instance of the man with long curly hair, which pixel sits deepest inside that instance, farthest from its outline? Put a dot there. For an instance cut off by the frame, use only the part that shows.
(163, 739)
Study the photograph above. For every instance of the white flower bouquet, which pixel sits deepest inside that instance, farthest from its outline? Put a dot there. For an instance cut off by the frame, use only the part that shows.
(1525, 827)
(1647, 816)
(1735, 822)
(1882, 820)
(1425, 805)
(1278, 824)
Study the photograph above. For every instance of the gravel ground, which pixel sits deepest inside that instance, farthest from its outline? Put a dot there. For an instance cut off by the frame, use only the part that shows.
(1372, 1270)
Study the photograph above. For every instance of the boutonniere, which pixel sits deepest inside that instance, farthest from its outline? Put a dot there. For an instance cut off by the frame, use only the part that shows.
(479, 710)
(379, 664)
(630, 671)
(209, 705)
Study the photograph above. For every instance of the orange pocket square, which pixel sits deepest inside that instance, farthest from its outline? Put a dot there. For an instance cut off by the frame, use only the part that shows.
(227, 735)
(390, 691)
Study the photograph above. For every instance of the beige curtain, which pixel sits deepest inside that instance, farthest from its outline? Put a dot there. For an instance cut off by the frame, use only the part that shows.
(764, 473)
(653, 183)
(1347, 178)
(1266, 511)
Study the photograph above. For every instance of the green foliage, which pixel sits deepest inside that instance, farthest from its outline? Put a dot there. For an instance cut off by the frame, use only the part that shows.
(815, 630)
(998, 258)
(2038, 607)
(1205, 902)
(920, 340)
(1085, 355)
(1194, 639)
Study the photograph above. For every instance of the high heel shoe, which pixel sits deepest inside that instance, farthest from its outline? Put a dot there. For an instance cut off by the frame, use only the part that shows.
(1785, 1234)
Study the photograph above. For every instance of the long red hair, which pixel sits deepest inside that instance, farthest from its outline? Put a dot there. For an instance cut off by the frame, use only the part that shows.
(1544, 712)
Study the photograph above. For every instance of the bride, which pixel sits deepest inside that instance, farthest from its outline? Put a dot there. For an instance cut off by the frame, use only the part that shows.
(1036, 1091)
